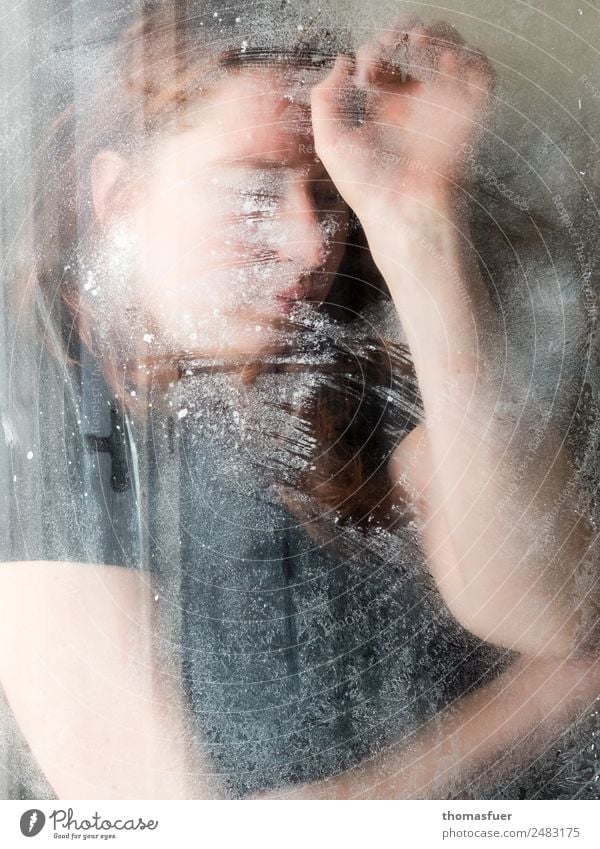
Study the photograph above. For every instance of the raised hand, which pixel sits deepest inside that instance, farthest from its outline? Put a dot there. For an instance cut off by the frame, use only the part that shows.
(394, 121)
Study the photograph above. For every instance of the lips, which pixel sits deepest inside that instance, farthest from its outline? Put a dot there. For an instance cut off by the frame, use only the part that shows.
(305, 291)
(294, 293)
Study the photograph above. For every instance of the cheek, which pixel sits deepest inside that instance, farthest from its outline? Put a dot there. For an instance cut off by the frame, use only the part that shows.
(187, 237)
(177, 239)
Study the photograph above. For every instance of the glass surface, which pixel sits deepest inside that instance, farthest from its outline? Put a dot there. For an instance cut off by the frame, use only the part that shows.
(299, 388)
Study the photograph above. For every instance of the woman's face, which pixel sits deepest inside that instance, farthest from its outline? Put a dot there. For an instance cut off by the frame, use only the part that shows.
(235, 219)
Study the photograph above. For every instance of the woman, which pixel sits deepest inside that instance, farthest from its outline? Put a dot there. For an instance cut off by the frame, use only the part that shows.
(253, 385)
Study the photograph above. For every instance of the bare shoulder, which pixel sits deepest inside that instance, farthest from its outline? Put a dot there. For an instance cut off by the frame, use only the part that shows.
(99, 706)
(42, 603)
(60, 574)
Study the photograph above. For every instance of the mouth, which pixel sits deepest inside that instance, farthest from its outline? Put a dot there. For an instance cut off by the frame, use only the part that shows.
(287, 299)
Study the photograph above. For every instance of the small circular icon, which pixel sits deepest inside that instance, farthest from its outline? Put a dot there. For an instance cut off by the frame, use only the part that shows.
(32, 822)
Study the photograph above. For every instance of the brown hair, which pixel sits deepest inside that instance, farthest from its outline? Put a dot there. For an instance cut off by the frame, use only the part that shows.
(165, 62)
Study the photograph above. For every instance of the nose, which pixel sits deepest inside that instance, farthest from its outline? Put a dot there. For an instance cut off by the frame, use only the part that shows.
(305, 241)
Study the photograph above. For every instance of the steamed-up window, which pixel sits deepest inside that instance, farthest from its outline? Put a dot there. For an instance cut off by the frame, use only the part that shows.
(299, 391)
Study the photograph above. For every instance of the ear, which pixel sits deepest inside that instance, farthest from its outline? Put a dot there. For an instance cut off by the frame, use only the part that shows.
(107, 167)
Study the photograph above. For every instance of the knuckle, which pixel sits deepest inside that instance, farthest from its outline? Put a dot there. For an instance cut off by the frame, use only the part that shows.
(445, 33)
(367, 51)
(407, 23)
(482, 67)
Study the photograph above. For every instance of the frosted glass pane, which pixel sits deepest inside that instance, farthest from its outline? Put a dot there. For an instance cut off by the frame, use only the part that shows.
(299, 385)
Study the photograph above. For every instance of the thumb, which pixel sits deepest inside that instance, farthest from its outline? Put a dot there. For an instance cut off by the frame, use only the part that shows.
(331, 105)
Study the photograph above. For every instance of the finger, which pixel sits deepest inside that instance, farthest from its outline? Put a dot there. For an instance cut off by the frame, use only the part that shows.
(470, 69)
(379, 66)
(383, 59)
(330, 104)
(403, 25)
(368, 63)
(443, 35)
(480, 70)
(430, 52)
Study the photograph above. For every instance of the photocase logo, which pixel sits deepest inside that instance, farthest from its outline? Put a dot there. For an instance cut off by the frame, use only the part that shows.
(32, 822)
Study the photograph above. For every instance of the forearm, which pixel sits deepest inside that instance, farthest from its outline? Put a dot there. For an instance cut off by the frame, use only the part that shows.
(423, 248)
(500, 728)
(502, 489)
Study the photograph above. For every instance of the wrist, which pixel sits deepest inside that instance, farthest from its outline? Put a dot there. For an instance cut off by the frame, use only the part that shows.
(405, 225)
(417, 205)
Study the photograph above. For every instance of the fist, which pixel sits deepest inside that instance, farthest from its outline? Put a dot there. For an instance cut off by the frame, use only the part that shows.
(395, 119)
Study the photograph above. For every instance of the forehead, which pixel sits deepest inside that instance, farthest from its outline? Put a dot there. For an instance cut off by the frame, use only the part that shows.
(256, 114)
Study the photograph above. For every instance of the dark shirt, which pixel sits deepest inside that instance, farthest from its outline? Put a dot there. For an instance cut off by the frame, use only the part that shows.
(300, 656)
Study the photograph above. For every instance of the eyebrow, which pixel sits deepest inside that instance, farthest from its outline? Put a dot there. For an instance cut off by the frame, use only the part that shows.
(252, 162)
(264, 163)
